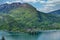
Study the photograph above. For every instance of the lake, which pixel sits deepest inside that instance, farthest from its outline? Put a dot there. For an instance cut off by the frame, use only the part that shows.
(47, 35)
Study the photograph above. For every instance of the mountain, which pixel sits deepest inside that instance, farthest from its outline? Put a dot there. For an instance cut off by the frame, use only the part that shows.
(24, 17)
(56, 13)
(5, 8)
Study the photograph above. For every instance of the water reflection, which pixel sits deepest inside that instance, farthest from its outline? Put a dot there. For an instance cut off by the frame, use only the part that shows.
(24, 36)
(50, 36)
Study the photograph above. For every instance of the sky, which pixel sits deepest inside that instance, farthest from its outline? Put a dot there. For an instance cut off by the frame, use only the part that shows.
(41, 5)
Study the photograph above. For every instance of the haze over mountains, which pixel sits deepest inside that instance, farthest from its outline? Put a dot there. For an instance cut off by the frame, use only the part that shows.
(23, 16)
(56, 13)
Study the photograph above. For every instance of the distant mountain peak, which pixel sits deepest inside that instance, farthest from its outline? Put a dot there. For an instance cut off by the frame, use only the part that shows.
(9, 6)
(55, 13)
(14, 3)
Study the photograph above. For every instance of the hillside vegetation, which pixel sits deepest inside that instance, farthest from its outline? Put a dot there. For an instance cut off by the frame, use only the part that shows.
(25, 18)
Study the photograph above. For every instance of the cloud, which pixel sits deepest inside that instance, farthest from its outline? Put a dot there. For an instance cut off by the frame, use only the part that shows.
(29, 0)
(8, 2)
(49, 5)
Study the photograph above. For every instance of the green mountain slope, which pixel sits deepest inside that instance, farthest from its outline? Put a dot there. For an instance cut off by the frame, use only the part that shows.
(26, 18)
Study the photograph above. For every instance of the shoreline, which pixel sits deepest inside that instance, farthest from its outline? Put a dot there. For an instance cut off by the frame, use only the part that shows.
(34, 31)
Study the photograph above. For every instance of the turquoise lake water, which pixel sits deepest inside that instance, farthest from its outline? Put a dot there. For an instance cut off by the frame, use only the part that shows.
(55, 35)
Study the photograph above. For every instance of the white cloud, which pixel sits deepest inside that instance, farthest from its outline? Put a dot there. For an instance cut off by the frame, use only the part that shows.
(50, 5)
(29, 0)
(8, 2)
